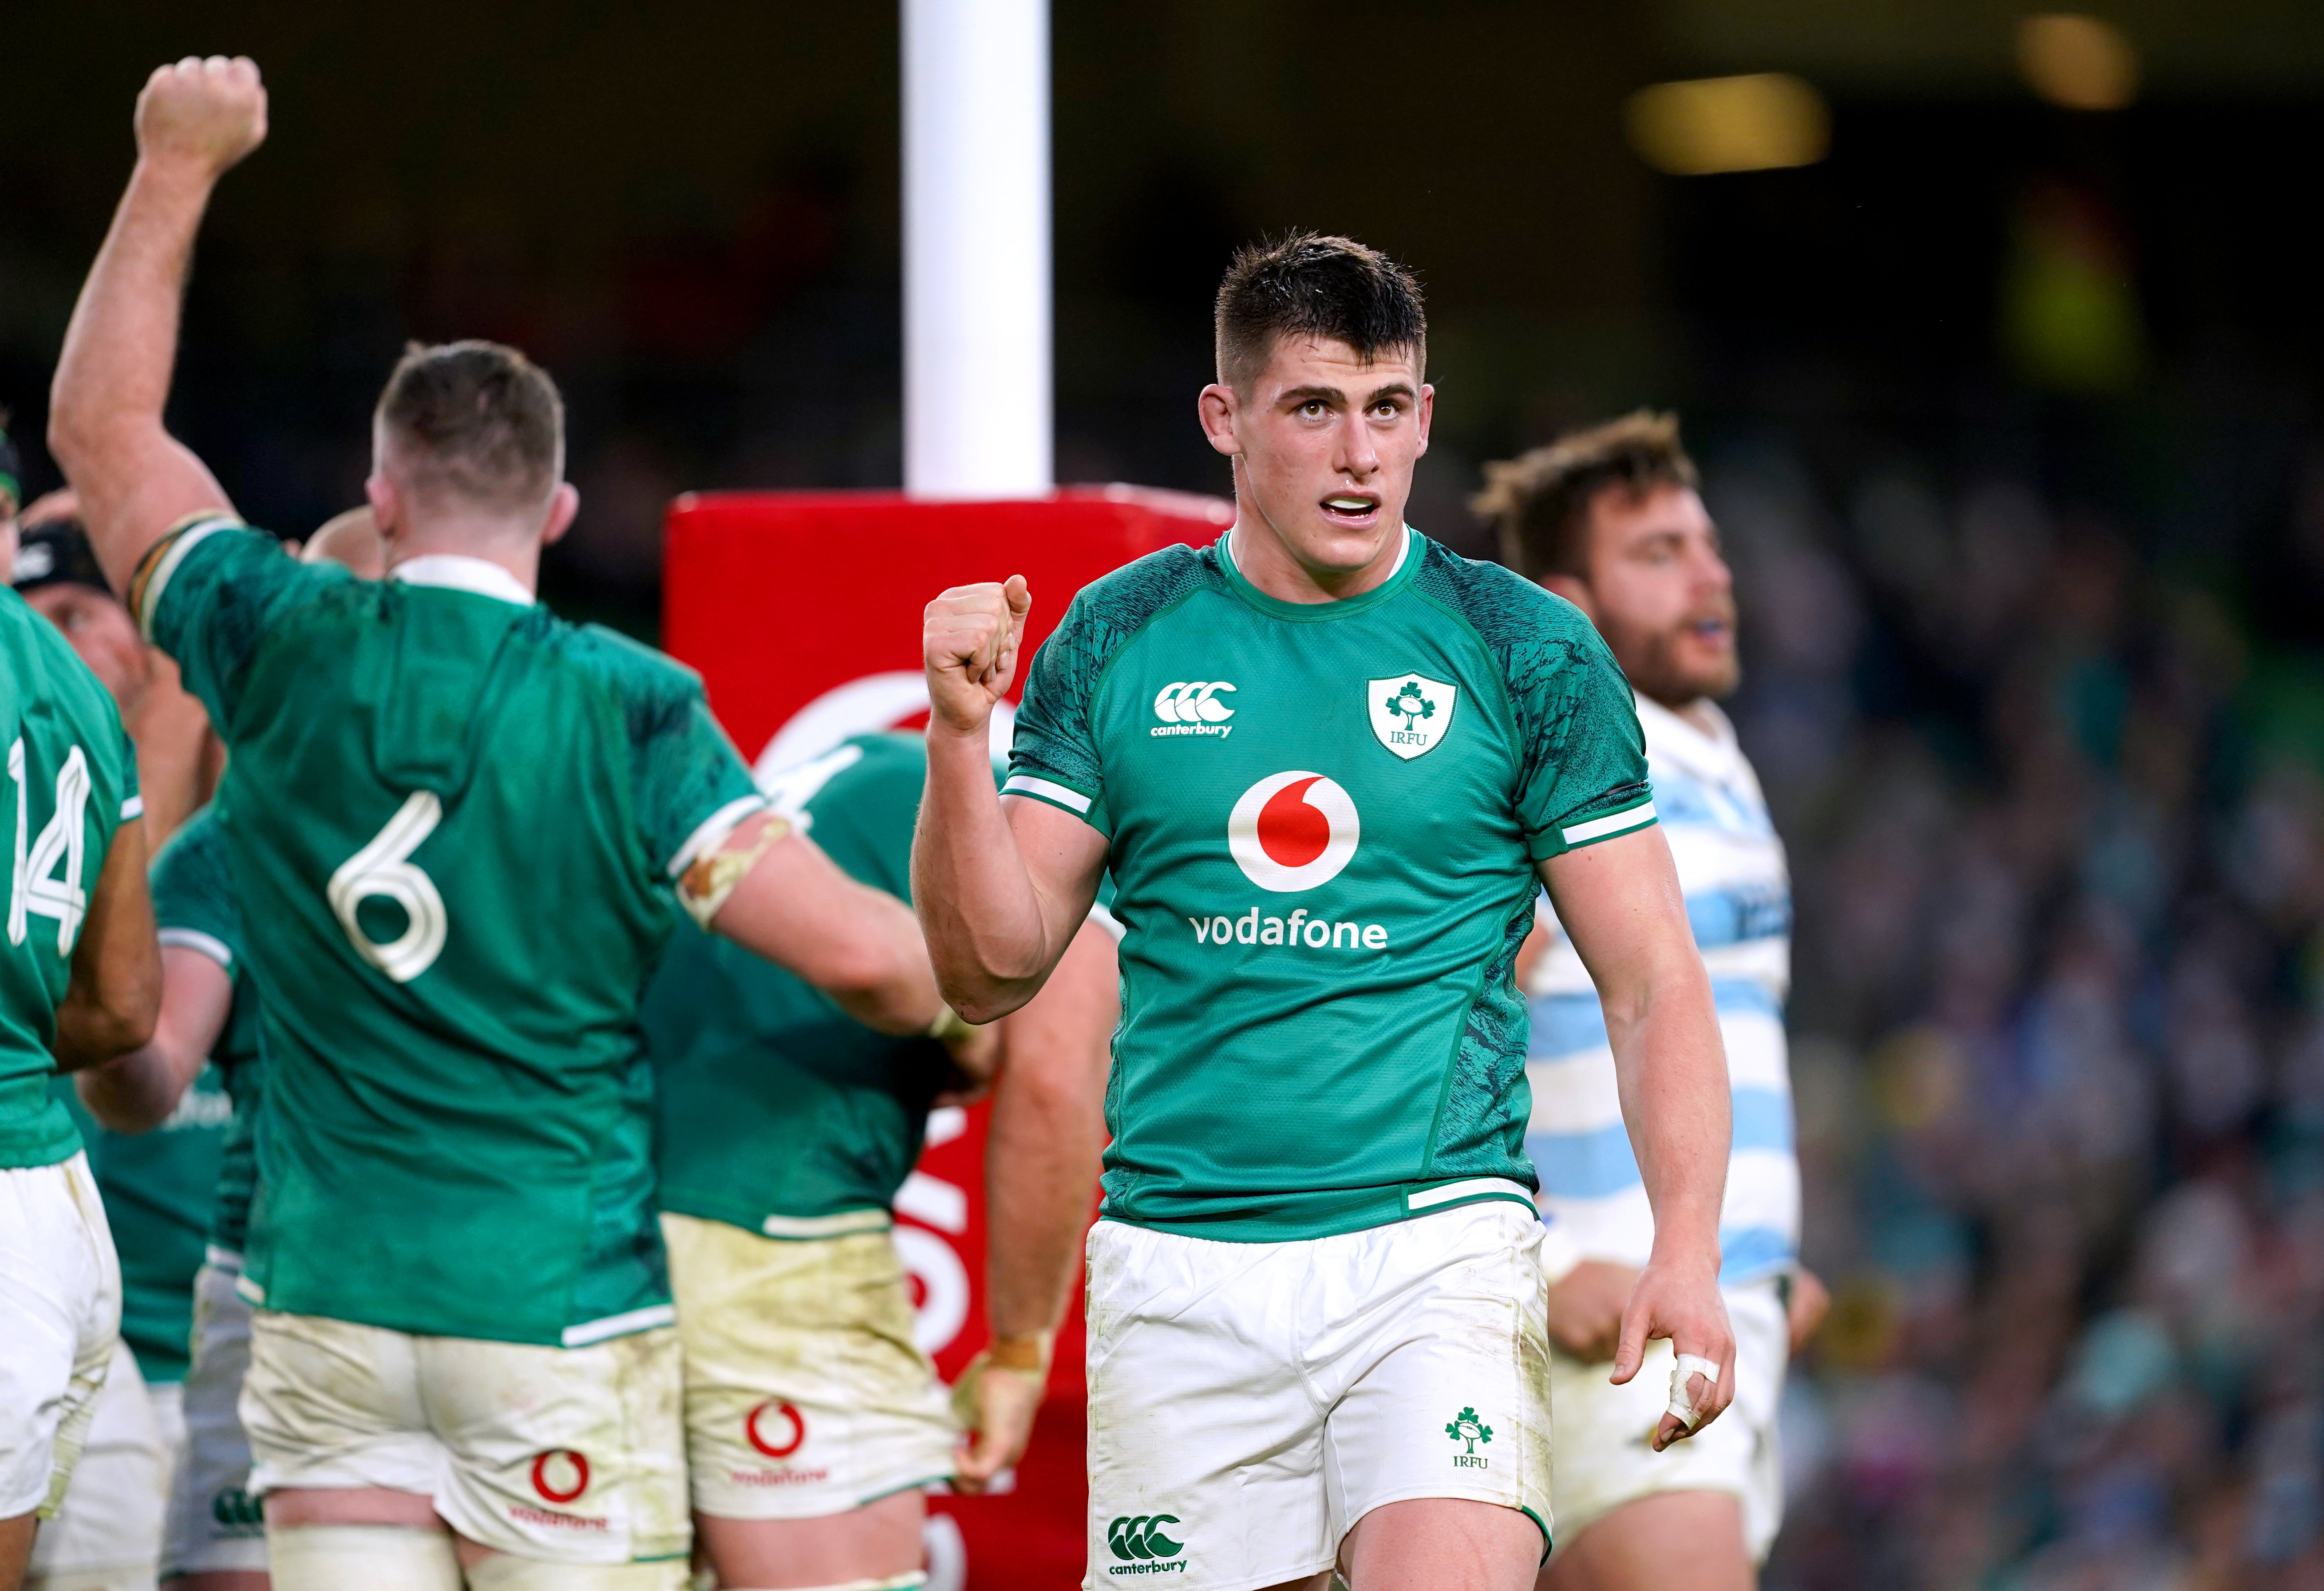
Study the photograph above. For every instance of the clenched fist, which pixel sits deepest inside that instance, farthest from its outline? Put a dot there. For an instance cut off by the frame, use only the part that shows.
(209, 113)
(968, 643)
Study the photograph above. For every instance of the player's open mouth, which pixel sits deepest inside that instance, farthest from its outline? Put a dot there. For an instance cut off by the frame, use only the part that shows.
(1713, 629)
(1351, 505)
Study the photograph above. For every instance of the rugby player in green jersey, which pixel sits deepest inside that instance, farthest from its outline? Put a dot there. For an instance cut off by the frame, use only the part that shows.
(1329, 763)
(456, 824)
(80, 983)
(784, 1133)
(156, 1171)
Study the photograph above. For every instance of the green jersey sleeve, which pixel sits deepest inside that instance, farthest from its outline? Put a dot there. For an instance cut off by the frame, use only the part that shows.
(193, 895)
(691, 786)
(205, 595)
(1585, 774)
(1581, 775)
(1054, 757)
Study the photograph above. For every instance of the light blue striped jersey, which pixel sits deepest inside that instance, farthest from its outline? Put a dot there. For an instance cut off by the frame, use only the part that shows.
(1739, 898)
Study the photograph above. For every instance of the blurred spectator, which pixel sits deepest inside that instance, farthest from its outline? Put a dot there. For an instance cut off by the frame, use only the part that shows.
(2058, 1031)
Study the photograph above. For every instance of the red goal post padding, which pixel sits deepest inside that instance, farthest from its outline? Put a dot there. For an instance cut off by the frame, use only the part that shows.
(802, 613)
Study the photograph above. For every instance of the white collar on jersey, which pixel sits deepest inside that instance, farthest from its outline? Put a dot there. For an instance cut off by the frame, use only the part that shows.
(1716, 756)
(1402, 551)
(459, 572)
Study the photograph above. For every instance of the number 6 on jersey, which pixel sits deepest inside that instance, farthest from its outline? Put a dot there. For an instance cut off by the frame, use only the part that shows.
(382, 869)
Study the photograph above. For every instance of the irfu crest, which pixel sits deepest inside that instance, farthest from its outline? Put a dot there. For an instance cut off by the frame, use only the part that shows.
(1410, 713)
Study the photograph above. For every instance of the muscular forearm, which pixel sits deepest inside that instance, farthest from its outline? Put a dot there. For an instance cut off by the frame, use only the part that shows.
(1670, 1067)
(894, 991)
(137, 1092)
(1041, 1159)
(113, 378)
(984, 919)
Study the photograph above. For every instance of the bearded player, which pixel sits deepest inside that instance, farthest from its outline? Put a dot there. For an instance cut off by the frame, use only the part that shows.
(1329, 763)
(784, 1133)
(1610, 519)
(456, 824)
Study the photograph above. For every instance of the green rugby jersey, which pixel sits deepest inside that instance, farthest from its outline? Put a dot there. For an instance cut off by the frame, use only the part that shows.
(70, 781)
(455, 821)
(194, 907)
(1323, 821)
(159, 1187)
(775, 1111)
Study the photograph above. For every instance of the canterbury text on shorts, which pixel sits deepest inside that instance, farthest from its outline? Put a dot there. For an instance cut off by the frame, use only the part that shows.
(1250, 1401)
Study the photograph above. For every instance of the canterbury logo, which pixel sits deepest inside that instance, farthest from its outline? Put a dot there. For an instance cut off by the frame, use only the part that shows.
(1139, 1536)
(1193, 702)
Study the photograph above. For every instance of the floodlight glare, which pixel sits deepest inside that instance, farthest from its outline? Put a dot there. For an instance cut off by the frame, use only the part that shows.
(1706, 125)
(2078, 61)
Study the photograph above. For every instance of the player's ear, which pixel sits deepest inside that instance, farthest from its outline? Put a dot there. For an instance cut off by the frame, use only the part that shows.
(1216, 407)
(386, 505)
(563, 505)
(1576, 592)
(1427, 412)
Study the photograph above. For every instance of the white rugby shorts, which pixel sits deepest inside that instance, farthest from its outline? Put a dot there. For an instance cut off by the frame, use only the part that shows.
(1250, 1401)
(804, 1393)
(1604, 1434)
(59, 1319)
(557, 1454)
(215, 1523)
(107, 1531)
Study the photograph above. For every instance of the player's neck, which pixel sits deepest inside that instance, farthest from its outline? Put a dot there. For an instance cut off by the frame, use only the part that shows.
(1695, 712)
(1261, 557)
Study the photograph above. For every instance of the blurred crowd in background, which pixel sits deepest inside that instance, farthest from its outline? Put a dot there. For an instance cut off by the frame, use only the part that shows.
(2058, 1037)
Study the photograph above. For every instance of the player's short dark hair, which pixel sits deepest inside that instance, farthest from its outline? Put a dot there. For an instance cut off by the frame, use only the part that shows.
(1540, 501)
(1312, 284)
(478, 419)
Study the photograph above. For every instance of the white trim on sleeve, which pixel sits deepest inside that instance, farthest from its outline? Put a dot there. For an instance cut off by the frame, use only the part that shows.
(1636, 817)
(191, 537)
(134, 806)
(713, 829)
(193, 938)
(1048, 791)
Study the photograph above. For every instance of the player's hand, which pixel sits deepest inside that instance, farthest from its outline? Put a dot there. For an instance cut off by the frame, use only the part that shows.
(1811, 1302)
(1680, 1302)
(207, 113)
(996, 1404)
(1585, 1309)
(968, 643)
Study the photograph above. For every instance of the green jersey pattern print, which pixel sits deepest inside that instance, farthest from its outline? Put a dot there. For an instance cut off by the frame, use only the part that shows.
(1324, 877)
(194, 907)
(454, 821)
(70, 782)
(776, 1111)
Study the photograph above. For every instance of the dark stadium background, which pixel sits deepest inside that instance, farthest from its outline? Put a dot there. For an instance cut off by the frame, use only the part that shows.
(2011, 414)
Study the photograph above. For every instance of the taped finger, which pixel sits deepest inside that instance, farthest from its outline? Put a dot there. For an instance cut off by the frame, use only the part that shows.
(1682, 1406)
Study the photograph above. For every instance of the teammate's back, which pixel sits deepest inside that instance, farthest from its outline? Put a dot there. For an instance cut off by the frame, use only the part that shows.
(454, 816)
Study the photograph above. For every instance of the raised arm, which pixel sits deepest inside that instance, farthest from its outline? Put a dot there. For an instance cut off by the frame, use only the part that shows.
(1040, 1169)
(137, 1092)
(1620, 902)
(1001, 885)
(194, 121)
(794, 907)
(114, 991)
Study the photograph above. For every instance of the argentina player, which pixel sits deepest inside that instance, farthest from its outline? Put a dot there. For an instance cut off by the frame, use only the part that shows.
(1610, 519)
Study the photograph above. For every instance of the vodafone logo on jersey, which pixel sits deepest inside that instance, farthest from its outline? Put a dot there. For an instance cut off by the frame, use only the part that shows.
(1293, 831)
